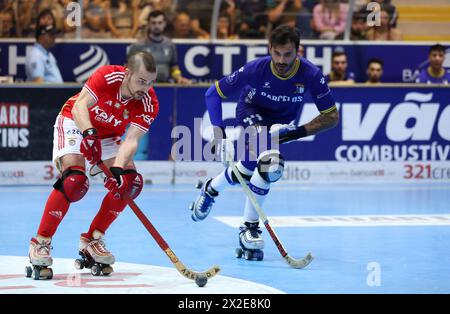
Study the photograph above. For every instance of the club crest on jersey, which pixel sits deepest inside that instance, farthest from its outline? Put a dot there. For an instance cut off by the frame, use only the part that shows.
(299, 88)
(72, 141)
(117, 105)
(126, 114)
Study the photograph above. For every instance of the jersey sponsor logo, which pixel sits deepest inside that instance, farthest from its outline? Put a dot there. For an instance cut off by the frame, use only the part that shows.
(102, 116)
(249, 97)
(232, 78)
(282, 98)
(57, 213)
(266, 85)
(148, 119)
(322, 80)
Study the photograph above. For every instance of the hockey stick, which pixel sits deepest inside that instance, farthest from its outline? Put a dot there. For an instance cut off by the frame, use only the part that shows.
(296, 263)
(183, 270)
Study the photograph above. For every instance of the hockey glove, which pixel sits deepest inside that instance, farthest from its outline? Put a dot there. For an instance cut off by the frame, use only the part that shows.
(91, 146)
(287, 132)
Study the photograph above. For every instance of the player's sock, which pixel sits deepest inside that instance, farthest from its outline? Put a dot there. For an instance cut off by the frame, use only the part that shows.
(225, 178)
(55, 210)
(259, 188)
(109, 211)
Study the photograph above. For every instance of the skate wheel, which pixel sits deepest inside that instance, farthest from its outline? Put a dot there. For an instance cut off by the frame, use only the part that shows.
(248, 255)
(96, 270)
(87, 263)
(28, 271)
(238, 252)
(107, 270)
(46, 273)
(259, 255)
(79, 264)
(36, 274)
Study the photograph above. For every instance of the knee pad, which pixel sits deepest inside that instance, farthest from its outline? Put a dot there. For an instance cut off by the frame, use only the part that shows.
(73, 183)
(135, 182)
(271, 165)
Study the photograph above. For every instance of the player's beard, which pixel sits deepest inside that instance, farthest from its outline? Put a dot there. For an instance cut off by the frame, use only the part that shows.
(284, 68)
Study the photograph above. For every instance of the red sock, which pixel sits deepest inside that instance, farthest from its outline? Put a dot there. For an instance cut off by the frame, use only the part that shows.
(108, 212)
(54, 212)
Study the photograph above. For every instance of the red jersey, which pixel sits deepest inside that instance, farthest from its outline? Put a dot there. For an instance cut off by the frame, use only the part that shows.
(111, 114)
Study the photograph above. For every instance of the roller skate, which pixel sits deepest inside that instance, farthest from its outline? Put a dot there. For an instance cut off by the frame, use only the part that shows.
(202, 206)
(250, 241)
(40, 259)
(94, 255)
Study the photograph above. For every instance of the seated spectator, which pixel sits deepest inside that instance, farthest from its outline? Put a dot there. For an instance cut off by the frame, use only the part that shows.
(40, 64)
(304, 17)
(385, 30)
(148, 6)
(374, 71)
(182, 26)
(339, 74)
(435, 73)
(359, 26)
(7, 24)
(122, 17)
(95, 20)
(391, 10)
(283, 12)
(251, 18)
(224, 28)
(329, 17)
(200, 13)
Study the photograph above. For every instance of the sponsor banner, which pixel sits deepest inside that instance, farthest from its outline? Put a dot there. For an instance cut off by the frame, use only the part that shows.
(207, 61)
(377, 124)
(167, 172)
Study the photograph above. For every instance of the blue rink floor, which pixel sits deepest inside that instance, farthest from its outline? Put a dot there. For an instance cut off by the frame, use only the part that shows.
(351, 258)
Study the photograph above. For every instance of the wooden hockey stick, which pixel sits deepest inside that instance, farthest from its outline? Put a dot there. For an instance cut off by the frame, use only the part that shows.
(183, 270)
(296, 263)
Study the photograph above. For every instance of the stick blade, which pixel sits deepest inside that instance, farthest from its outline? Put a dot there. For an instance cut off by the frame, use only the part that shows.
(299, 263)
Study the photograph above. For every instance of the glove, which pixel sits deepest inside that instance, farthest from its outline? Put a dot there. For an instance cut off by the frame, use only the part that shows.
(91, 146)
(287, 132)
(117, 183)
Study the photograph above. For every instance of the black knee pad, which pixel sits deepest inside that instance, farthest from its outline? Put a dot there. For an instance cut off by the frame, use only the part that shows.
(271, 165)
(73, 183)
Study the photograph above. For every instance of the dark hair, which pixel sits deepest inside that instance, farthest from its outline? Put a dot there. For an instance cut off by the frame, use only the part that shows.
(437, 47)
(284, 34)
(44, 13)
(135, 59)
(375, 60)
(338, 54)
(156, 13)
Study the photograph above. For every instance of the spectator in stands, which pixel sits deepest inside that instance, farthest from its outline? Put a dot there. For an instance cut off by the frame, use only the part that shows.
(199, 13)
(182, 26)
(385, 31)
(40, 63)
(147, 6)
(339, 74)
(162, 48)
(329, 17)
(251, 18)
(7, 24)
(374, 71)
(95, 20)
(359, 26)
(304, 18)
(122, 17)
(224, 30)
(435, 73)
(391, 10)
(283, 12)
(301, 51)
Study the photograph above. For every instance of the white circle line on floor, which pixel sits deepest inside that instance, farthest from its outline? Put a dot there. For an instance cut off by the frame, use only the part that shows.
(126, 278)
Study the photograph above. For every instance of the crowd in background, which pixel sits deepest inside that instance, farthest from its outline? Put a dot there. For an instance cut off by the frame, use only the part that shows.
(316, 19)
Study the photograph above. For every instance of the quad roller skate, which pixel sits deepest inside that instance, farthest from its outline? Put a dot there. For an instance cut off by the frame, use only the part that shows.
(40, 259)
(94, 255)
(203, 204)
(250, 241)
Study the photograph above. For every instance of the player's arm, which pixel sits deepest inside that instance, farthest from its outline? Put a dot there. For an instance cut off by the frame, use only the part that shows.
(80, 110)
(129, 146)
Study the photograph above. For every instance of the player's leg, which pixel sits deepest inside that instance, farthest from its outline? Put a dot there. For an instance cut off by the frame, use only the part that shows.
(92, 243)
(71, 186)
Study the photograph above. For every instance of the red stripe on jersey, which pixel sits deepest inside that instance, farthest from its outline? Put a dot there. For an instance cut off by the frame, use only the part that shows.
(60, 132)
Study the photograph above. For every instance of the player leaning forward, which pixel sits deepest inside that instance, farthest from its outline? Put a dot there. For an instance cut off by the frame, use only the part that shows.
(89, 127)
(272, 93)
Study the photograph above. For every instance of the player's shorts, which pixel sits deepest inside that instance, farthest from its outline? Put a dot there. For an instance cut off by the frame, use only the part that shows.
(67, 140)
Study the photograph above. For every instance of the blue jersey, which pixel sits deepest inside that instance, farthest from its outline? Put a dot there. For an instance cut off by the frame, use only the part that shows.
(278, 99)
(426, 76)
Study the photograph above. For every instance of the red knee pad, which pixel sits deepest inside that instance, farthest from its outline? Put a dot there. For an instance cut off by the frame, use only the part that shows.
(135, 183)
(73, 183)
